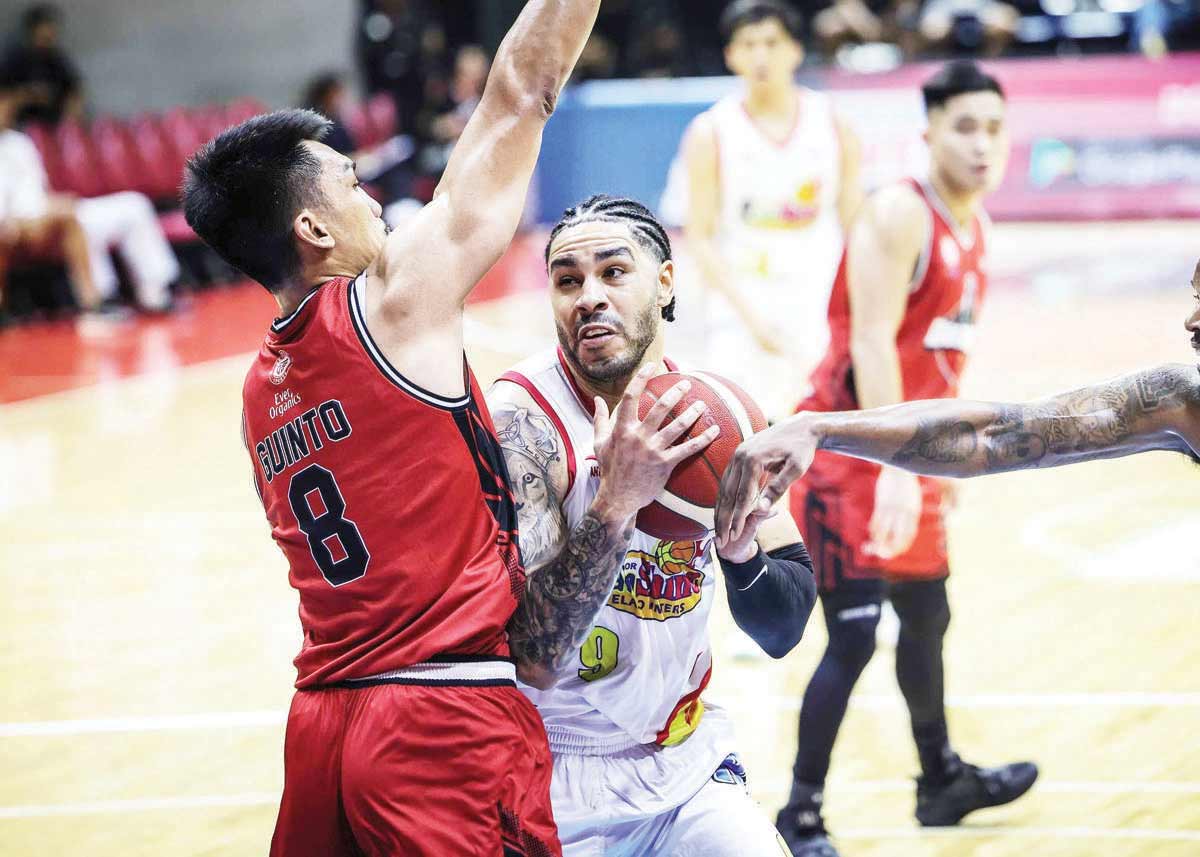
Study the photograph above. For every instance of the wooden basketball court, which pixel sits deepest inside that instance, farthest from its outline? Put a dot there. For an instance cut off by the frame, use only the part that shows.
(147, 627)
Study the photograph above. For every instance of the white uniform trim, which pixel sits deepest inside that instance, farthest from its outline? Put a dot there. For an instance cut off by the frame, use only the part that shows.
(450, 672)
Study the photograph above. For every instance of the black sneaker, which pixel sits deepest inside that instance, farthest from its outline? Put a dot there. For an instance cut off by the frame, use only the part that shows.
(973, 788)
(811, 844)
(800, 824)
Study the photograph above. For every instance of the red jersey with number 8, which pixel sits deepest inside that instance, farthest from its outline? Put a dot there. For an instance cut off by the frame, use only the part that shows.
(390, 502)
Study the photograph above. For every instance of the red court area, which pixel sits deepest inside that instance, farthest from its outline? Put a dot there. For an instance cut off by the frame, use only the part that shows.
(51, 357)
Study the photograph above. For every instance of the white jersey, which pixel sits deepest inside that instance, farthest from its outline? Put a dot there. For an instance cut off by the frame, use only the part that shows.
(778, 225)
(638, 676)
(780, 237)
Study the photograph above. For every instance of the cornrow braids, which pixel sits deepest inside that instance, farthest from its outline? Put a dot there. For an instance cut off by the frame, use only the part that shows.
(619, 209)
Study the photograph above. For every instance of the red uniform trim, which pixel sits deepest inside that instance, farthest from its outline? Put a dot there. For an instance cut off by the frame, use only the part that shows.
(528, 386)
(585, 401)
(685, 701)
(781, 144)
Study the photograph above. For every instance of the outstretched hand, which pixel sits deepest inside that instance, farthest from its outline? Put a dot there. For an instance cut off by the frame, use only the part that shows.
(761, 471)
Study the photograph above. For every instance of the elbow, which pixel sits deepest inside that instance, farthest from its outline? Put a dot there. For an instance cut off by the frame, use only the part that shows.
(529, 90)
(779, 648)
(789, 636)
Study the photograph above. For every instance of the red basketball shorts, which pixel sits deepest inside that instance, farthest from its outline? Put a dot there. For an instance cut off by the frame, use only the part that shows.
(832, 506)
(415, 770)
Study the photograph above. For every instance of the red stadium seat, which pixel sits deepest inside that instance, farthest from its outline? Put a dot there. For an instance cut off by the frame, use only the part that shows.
(116, 157)
(47, 146)
(79, 161)
(382, 120)
(241, 110)
(358, 123)
(175, 227)
(163, 168)
(208, 121)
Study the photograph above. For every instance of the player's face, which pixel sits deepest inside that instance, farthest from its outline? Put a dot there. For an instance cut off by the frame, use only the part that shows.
(764, 54)
(351, 216)
(606, 291)
(1193, 322)
(968, 141)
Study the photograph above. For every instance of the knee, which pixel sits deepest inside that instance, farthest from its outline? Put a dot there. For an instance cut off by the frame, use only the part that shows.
(924, 611)
(852, 636)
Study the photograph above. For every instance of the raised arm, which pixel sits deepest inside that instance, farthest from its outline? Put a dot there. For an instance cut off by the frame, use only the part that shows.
(428, 268)
(1157, 409)
(571, 571)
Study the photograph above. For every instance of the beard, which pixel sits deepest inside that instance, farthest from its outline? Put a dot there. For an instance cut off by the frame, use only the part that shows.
(623, 364)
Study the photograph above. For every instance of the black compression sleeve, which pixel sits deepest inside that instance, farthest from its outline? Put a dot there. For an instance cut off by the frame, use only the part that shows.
(772, 595)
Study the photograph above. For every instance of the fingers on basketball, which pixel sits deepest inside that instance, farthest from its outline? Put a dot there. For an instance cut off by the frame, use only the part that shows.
(685, 509)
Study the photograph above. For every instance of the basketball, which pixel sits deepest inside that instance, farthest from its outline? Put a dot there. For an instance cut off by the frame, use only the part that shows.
(684, 510)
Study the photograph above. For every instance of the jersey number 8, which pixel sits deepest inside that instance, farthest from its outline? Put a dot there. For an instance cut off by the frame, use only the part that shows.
(333, 539)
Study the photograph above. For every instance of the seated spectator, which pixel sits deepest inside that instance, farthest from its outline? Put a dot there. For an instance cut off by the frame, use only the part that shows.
(971, 26)
(36, 62)
(1156, 20)
(448, 108)
(383, 165)
(35, 220)
(856, 22)
(658, 51)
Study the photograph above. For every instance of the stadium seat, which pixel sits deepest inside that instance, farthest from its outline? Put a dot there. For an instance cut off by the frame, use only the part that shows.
(163, 169)
(47, 146)
(79, 160)
(382, 120)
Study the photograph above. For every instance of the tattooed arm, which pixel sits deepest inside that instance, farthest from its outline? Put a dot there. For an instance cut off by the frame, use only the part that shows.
(571, 570)
(1157, 409)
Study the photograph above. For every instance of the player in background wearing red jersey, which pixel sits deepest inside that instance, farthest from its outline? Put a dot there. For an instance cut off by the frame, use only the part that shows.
(1153, 410)
(901, 319)
(381, 475)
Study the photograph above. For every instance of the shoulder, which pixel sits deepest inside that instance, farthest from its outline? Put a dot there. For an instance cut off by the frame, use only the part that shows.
(898, 216)
(700, 138)
(533, 446)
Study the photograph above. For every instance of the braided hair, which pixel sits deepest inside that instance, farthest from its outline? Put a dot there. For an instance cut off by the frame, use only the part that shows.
(645, 227)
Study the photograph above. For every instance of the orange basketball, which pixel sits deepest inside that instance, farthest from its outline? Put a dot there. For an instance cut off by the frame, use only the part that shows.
(684, 510)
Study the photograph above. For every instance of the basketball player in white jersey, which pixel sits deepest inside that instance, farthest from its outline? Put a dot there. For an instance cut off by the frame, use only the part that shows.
(772, 186)
(643, 764)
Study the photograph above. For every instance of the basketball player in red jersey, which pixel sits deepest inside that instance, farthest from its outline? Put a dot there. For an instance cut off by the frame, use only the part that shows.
(901, 316)
(1153, 410)
(381, 475)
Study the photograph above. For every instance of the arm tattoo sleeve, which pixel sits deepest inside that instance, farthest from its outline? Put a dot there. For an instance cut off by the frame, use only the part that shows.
(1127, 415)
(570, 574)
(563, 597)
(533, 453)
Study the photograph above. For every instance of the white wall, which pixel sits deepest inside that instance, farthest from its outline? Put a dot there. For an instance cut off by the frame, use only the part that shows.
(151, 54)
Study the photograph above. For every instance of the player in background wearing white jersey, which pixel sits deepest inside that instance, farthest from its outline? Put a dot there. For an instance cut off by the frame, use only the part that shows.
(772, 186)
(642, 764)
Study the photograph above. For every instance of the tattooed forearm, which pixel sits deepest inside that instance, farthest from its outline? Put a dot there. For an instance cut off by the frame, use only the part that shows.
(1124, 416)
(1156, 409)
(563, 597)
(934, 441)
